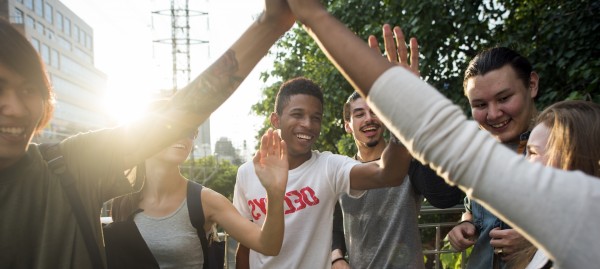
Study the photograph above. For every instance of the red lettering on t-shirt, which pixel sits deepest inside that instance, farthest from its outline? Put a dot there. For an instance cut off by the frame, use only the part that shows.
(294, 201)
(289, 204)
(260, 203)
(298, 200)
(309, 196)
(255, 216)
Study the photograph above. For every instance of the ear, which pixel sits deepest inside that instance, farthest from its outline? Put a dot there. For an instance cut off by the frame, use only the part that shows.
(274, 120)
(347, 127)
(534, 84)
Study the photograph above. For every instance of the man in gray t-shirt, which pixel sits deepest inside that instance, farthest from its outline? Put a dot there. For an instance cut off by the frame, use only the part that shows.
(381, 225)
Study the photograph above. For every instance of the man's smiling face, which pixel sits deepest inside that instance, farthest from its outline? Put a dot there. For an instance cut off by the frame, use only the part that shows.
(300, 123)
(364, 125)
(21, 108)
(502, 103)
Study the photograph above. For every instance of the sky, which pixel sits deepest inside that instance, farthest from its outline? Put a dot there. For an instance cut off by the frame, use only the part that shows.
(136, 66)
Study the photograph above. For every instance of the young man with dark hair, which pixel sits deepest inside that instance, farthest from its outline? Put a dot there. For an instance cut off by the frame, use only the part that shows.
(501, 86)
(315, 182)
(380, 226)
(374, 235)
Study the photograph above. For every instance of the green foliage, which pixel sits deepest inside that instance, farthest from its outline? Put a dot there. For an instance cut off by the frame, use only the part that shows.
(560, 38)
(453, 260)
(219, 177)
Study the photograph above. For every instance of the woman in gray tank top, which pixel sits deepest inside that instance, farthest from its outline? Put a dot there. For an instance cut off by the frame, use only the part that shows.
(165, 223)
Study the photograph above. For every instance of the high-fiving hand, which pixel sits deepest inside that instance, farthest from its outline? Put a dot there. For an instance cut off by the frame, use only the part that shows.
(395, 48)
(279, 12)
(271, 162)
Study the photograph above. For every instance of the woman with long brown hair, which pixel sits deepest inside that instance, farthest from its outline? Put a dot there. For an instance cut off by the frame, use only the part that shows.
(566, 137)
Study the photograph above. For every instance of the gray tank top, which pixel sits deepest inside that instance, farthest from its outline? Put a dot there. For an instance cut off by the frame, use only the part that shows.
(172, 239)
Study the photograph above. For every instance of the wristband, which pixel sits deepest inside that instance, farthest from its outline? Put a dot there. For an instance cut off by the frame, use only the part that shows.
(338, 259)
(465, 221)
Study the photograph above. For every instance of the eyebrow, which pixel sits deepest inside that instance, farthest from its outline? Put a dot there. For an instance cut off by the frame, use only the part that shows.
(503, 91)
(357, 109)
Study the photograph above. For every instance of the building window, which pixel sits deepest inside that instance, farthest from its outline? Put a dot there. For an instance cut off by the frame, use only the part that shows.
(48, 11)
(88, 42)
(76, 32)
(82, 35)
(45, 52)
(29, 4)
(54, 58)
(29, 22)
(20, 1)
(59, 21)
(39, 8)
(36, 44)
(39, 27)
(67, 26)
(18, 16)
(66, 44)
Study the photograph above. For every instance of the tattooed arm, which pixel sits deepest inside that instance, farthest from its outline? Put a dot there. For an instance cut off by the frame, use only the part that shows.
(192, 105)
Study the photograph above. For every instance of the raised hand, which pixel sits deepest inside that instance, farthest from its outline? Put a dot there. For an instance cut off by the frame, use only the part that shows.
(271, 162)
(304, 10)
(279, 12)
(395, 48)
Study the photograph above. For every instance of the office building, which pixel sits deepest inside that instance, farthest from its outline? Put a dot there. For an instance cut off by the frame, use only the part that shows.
(65, 44)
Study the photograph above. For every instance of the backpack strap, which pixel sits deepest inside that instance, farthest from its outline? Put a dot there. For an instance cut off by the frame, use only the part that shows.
(52, 155)
(194, 203)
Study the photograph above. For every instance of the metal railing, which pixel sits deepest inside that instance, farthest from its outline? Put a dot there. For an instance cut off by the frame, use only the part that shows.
(231, 244)
(439, 238)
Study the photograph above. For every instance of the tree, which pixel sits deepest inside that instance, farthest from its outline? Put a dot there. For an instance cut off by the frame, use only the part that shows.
(218, 175)
(559, 37)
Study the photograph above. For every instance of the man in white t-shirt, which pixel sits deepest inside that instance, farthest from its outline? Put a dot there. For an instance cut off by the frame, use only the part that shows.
(315, 182)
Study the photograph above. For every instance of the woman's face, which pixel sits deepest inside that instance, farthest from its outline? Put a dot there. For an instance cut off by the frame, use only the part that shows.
(178, 152)
(537, 145)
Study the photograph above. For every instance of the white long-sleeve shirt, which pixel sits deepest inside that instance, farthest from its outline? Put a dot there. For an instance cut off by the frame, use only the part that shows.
(557, 210)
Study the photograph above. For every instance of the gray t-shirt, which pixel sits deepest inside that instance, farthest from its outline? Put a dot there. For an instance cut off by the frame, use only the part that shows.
(381, 226)
(172, 239)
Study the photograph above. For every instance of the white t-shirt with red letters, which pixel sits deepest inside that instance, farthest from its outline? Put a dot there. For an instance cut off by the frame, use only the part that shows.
(312, 190)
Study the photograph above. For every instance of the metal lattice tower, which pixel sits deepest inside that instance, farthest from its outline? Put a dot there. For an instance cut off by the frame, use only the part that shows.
(180, 40)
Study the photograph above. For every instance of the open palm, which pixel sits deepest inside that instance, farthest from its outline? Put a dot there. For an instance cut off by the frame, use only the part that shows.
(271, 163)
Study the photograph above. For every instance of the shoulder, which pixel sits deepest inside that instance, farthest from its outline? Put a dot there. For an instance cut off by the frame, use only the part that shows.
(332, 157)
(246, 169)
(213, 199)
